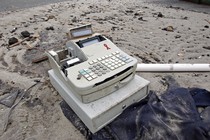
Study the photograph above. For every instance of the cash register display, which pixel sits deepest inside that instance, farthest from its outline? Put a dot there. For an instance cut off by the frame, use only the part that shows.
(81, 33)
(90, 41)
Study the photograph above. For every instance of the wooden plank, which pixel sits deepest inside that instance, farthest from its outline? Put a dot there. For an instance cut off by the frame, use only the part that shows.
(39, 59)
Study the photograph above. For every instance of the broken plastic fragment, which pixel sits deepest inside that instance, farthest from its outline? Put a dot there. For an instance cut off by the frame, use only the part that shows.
(10, 99)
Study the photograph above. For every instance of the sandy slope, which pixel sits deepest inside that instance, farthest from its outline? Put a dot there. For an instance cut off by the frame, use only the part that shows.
(39, 115)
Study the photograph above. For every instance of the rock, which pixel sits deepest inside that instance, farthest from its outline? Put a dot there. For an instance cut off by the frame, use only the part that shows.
(114, 28)
(13, 40)
(138, 13)
(129, 11)
(25, 34)
(169, 29)
(141, 18)
(206, 26)
(177, 36)
(51, 17)
(1, 35)
(186, 18)
(13, 30)
(74, 19)
(160, 15)
(50, 28)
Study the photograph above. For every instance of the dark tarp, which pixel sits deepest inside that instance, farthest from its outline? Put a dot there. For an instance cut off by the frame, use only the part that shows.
(172, 115)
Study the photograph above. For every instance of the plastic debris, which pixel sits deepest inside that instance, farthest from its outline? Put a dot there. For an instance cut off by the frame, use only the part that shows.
(10, 99)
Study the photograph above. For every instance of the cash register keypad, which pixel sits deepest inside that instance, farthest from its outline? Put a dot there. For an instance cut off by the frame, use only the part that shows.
(103, 65)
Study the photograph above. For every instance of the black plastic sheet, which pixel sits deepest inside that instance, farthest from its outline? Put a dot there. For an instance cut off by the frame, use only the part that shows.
(172, 115)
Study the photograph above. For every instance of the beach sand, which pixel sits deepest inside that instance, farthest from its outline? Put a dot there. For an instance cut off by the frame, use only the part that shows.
(136, 27)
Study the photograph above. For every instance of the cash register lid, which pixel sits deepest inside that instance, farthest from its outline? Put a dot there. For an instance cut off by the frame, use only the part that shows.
(81, 31)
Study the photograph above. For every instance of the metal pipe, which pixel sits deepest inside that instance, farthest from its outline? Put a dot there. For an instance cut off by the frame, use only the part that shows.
(173, 67)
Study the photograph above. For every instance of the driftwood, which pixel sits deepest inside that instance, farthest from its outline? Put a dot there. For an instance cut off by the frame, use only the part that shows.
(207, 21)
(19, 42)
(23, 40)
(39, 59)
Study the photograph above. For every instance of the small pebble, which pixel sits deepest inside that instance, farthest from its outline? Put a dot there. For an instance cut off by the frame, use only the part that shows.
(206, 26)
(50, 28)
(25, 34)
(160, 15)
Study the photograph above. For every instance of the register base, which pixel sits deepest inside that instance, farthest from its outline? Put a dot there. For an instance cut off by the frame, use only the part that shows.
(97, 114)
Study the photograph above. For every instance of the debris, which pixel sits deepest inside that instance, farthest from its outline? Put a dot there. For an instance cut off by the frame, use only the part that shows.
(40, 59)
(13, 106)
(10, 99)
(206, 47)
(25, 34)
(50, 17)
(19, 42)
(138, 13)
(178, 36)
(13, 30)
(33, 102)
(28, 45)
(185, 18)
(35, 43)
(141, 18)
(50, 28)
(177, 8)
(180, 54)
(207, 21)
(206, 26)
(12, 41)
(114, 28)
(129, 11)
(74, 19)
(169, 29)
(160, 15)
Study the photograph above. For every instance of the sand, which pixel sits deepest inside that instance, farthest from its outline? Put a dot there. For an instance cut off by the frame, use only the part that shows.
(134, 26)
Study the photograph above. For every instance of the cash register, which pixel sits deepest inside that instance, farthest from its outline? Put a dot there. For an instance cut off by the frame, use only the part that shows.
(95, 77)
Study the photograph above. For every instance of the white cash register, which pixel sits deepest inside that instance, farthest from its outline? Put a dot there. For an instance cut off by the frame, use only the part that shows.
(95, 77)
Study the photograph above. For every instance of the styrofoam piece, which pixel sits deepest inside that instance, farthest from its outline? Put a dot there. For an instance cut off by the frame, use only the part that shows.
(99, 113)
(173, 67)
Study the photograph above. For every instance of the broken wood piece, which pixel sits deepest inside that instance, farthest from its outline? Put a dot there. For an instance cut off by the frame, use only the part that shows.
(207, 21)
(28, 46)
(40, 59)
(32, 45)
(19, 42)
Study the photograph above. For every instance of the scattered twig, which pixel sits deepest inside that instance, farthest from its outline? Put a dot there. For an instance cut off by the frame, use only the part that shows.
(23, 40)
(19, 42)
(207, 21)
